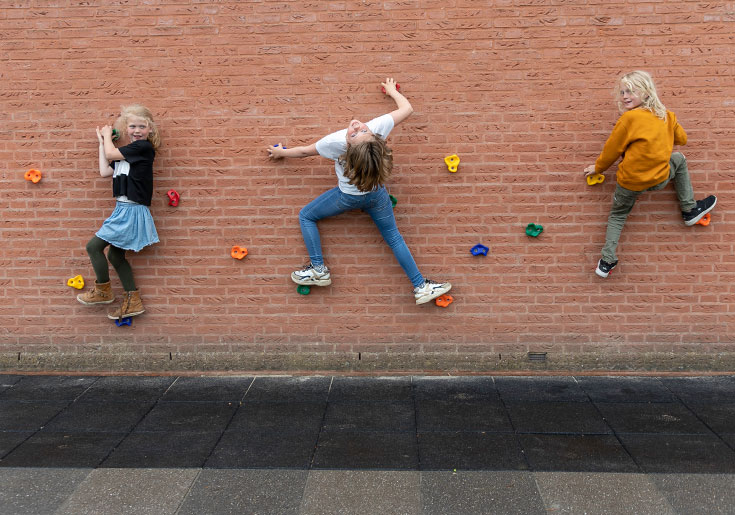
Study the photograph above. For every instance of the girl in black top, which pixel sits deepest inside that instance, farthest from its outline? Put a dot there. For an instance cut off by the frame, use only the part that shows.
(130, 226)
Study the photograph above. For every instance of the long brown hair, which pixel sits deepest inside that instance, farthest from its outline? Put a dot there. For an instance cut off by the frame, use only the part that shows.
(368, 164)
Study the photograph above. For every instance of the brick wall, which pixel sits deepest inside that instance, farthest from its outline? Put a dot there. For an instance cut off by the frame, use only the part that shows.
(520, 90)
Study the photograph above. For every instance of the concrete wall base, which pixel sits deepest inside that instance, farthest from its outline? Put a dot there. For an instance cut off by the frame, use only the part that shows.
(364, 363)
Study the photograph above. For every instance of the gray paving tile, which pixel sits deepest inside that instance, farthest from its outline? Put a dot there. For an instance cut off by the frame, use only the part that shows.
(76, 450)
(371, 389)
(220, 492)
(279, 417)
(560, 389)
(370, 416)
(470, 451)
(697, 493)
(719, 417)
(625, 389)
(229, 389)
(660, 417)
(127, 389)
(287, 388)
(472, 415)
(37, 490)
(117, 417)
(163, 450)
(48, 388)
(361, 492)
(716, 389)
(188, 416)
(472, 492)
(446, 388)
(556, 417)
(125, 491)
(9, 440)
(7, 381)
(680, 453)
(28, 415)
(584, 492)
(576, 453)
(366, 450)
(263, 450)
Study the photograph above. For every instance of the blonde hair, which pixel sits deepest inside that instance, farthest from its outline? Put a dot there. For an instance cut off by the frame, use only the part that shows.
(141, 112)
(368, 164)
(641, 83)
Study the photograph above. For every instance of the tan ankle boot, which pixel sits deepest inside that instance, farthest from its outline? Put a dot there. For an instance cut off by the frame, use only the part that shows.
(131, 306)
(100, 294)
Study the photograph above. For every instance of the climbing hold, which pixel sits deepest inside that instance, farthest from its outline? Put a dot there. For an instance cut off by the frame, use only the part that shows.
(452, 162)
(398, 88)
(595, 178)
(479, 250)
(124, 321)
(704, 220)
(393, 200)
(76, 282)
(33, 175)
(444, 300)
(238, 252)
(303, 290)
(173, 198)
(115, 135)
(534, 230)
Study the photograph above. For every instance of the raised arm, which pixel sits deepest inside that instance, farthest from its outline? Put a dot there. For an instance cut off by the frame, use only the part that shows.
(404, 108)
(105, 168)
(111, 151)
(278, 152)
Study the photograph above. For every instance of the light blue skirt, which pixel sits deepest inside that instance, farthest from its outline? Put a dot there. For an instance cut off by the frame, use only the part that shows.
(129, 227)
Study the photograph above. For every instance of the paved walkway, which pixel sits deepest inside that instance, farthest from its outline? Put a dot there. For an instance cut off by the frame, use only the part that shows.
(308, 445)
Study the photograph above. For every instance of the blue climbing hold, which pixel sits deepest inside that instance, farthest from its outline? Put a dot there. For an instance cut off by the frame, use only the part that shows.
(124, 321)
(479, 250)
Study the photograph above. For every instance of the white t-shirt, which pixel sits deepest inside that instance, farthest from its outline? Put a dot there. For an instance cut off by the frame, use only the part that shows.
(334, 145)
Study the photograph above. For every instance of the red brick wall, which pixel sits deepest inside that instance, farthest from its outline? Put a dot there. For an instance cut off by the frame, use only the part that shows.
(520, 90)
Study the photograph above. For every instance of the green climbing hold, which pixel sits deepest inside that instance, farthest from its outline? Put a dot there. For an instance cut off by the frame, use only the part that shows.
(303, 290)
(534, 230)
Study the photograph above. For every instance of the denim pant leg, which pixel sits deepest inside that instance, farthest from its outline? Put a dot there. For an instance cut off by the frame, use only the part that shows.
(325, 205)
(623, 202)
(380, 210)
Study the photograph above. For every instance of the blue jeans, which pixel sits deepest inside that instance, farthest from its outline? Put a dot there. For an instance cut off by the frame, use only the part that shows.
(377, 204)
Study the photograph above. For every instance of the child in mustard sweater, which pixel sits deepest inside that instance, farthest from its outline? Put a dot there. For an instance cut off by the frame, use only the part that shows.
(644, 135)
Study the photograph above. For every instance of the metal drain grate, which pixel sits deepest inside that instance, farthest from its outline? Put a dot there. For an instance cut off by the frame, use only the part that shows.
(537, 356)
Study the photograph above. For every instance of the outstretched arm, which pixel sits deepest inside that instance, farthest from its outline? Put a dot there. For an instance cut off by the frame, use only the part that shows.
(404, 108)
(278, 152)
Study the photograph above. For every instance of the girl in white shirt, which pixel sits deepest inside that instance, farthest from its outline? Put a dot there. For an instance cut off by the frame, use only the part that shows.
(363, 162)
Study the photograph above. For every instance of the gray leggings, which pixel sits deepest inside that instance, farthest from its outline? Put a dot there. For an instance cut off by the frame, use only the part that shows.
(95, 249)
(624, 200)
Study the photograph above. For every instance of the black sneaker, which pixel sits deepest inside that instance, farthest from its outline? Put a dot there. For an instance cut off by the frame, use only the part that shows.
(703, 207)
(604, 268)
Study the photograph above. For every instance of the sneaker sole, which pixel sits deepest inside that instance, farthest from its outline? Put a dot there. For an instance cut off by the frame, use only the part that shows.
(432, 296)
(95, 303)
(696, 219)
(310, 282)
(601, 273)
(127, 315)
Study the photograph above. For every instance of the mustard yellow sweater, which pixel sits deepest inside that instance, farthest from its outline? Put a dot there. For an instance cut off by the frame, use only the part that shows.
(645, 142)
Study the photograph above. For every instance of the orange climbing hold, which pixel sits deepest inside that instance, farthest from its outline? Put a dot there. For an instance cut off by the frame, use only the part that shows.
(444, 300)
(704, 220)
(238, 252)
(33, 175)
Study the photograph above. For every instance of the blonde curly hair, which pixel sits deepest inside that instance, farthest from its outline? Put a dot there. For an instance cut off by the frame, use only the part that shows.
(141, 112)
(641, 83)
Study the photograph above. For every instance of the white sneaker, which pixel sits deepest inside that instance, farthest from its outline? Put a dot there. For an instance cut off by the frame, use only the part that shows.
(308, 276)
(430, 290)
